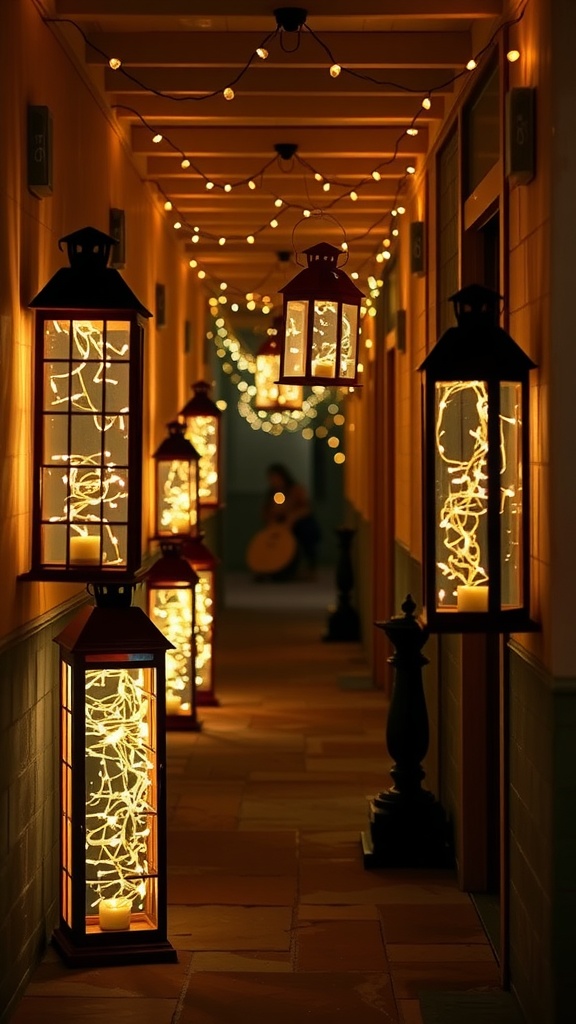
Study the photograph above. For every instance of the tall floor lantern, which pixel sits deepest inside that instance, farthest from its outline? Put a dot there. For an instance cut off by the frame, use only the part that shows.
(270, 395)
(202, 419)
(204, 565)
(476, 473)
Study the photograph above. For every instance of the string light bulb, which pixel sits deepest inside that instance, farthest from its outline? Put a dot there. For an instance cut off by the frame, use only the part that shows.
(157, 138)
(318, 176)
(250, 239)
(177, 225)
(209, 185)
(412, 131)
(201, 274)
(228, 93)
(195, 238)
(278, 202)
(335, 70)
(168, 205)
(262, 53)
(251, 184)
(306, 213)
(326, 186)
(193, 264)
(227, 187)
(471, 64)
(222, 240)
(426, 103)
(401, 210)
(273, 223)
(513, 56)
(376, 175)
(185, 163)
(410, 169)
(115, 63)
(354, 196)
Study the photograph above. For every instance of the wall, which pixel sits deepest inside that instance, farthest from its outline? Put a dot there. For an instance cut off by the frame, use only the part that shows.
(92, 172)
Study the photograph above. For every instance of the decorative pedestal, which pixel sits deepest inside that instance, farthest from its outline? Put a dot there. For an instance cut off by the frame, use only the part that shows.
(408, 827)
(344, 622)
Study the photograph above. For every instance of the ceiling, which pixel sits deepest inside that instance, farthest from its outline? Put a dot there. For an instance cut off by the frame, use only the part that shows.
(344, 128)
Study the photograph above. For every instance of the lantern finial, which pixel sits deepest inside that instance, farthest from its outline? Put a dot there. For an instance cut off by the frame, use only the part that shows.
(476, 306)
(88, 249)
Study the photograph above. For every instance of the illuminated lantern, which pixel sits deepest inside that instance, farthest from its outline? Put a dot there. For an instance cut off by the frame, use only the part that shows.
(270, 395)
(476, 473)
(322, 323)
(202, 418)
(88, 427)
(170, 586)
(204, 564)
(112, 768)
(177, 482)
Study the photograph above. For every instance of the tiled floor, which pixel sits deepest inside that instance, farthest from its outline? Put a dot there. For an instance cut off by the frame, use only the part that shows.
(271, 911)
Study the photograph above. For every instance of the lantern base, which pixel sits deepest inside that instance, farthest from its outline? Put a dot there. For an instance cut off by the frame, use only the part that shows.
(112, 954)
(510, 620)
(207, 700)
(407, 832)
(343, 626)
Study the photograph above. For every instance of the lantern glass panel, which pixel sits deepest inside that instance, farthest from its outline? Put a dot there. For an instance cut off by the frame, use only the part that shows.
(511, 503)
(120, 792)
(461, 496)
(176, 504)
(84, 475)
(267, 373)
(202, 432)
(324, 338)
(349, 341)
(171, 610)
(204, 629)
(296, 337)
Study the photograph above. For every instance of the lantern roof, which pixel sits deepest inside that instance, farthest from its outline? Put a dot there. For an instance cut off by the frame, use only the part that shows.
(176, 446)
(171, 570)
(201, 404)
(197, 553)
(477, 348)
(322, 278)
(88, 283)
(269, 347)
(112, 631)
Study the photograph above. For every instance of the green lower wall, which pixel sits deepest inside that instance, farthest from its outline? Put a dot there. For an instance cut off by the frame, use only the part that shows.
(29, 804)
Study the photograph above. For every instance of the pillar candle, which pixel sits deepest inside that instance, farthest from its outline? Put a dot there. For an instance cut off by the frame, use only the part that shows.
(472, 599)
(84, 550)
(114, 914)
(322, 368)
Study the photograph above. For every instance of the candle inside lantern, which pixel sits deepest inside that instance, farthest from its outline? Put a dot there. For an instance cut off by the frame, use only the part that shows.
(472, 599)
(173, 704)
(322, 368)
(84, 550)
(114, 914)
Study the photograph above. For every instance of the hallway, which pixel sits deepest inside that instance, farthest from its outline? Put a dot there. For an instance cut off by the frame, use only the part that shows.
(270, 909)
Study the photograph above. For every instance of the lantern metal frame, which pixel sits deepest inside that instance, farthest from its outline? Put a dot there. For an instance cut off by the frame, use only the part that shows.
(485, 374)
(169, 576)
(198, 409)
(177, 496)
(204, 564)
(284, 398)
(87, 487)
(321, 289)
(113, 839)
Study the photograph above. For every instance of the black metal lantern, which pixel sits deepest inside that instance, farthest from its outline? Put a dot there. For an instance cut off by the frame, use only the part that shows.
(202, 419)
(476, 473)
(204, 564)
(88, 418)
(177, 484)
(113, 811)
(270, 395)
(170, 586)
(322, 323)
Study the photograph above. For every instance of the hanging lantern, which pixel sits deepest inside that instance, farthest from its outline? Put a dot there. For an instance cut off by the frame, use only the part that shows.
(88, 418)
(170, 586)
(113, 816)
(202, 419)
(204, 564)
(322, 323)
(177, 484)
(270, 395)
(476, 480)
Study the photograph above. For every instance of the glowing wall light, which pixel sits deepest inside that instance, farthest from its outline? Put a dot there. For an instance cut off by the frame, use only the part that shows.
(322, 323)
(177, 484)
(269, 394)
(88, 418)
(202, 419)
(170, 586)
(204, 564)
(112, 766)
(476, 480)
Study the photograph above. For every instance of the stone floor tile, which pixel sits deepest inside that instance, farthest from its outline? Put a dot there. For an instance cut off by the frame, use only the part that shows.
(52, 978)
(239, 890)
(317, 812)
(340, 946)
(259, 962)
(328, 913)
(240, 853)
(409, 1010)
(439, 953)
(80, 1010)
(435, 922)
(289, 999)
(365, 765)
(330, 845)
(346, 881)
(410, 979)
(230, 928)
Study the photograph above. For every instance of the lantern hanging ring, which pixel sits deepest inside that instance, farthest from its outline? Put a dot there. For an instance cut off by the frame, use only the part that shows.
(321, 214)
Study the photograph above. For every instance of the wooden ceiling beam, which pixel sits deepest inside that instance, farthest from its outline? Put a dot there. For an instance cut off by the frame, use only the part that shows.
(313, 143)
(397, 9)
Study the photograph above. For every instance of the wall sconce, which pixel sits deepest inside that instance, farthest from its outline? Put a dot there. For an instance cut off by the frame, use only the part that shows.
(113, 816)
(322, 319)
(476, 473)
(270, 395)
(204, 564)
(202, 419)
(88, 419)
(177, 484)
(170, 587)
